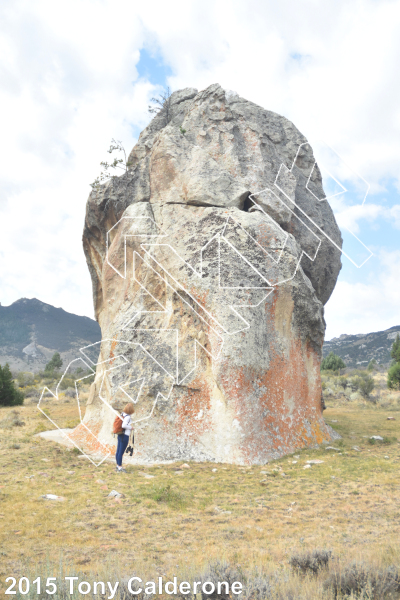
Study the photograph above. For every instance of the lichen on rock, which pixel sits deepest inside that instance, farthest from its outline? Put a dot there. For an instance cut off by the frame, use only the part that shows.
(211, 261)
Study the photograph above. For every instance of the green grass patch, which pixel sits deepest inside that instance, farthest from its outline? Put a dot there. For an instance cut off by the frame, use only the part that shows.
(168, 495)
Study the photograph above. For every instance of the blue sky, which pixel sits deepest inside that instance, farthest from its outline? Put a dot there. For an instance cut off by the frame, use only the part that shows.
(74, 75)
(152, 68)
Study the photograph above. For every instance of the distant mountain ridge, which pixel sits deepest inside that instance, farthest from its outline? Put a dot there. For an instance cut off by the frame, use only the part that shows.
(358, 350)
(31, 331)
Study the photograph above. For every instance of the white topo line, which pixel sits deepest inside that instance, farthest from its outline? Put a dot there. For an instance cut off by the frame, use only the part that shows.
(218, 328)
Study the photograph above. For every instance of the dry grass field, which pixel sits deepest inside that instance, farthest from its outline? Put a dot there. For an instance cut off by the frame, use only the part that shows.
(252, 517)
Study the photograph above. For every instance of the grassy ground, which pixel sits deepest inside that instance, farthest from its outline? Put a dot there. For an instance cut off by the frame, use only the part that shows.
(252, 517)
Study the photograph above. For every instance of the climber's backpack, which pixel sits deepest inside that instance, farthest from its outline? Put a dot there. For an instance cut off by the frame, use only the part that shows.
(117, 425)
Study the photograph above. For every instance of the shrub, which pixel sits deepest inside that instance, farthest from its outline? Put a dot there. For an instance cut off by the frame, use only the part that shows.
(9, 394)
(54, 364)
(12, 420)
(47, 377)
(168, 495)
(332, 362)
(342, 381)
(259, 588)
(385, 440)
(24, 379)
(219, 571)
(361, 580)
(40, 427)
(66, 383)
(30, 392)
(395, 352)
(162, 106)
(70, 392)
(89, 380)
(393, 380)
(310, 562)
(366, 385)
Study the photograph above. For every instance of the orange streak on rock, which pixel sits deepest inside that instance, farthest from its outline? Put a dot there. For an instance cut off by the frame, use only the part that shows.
(85, 438)
(279, 410)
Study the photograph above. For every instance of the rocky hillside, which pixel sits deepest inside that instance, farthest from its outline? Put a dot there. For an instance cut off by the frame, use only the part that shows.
(31, 331)
(358, 350)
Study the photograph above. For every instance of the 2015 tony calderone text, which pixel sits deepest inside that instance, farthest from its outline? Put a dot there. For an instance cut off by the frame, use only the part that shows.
(134, 585)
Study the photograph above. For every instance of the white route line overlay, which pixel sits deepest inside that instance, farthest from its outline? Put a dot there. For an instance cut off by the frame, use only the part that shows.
(233, 307)
(283, 167)
(107, 453)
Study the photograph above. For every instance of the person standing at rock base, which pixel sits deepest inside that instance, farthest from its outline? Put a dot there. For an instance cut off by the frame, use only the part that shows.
(123, 438)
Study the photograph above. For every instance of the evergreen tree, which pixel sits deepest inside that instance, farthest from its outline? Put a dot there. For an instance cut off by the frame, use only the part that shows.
(395, 353)
(366, 385)
(393, 381)
(332, 362)
(9, 394)
(54, 364)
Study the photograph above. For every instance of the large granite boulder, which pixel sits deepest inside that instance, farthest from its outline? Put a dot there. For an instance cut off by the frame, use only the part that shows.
(211, 259)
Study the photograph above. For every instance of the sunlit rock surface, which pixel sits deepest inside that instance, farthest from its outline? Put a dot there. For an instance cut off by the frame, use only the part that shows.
(210, 299)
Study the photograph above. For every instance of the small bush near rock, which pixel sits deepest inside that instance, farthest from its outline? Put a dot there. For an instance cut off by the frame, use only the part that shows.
(13, 419)
(29, 392)
(393, 380)
(361, 580)
(70, 392)
(310, 562)
(125, 594)
(258, 588)
(40, 427)
(332, 362)
(219, 571)
(66, 383)
(24, 379)
(168, 495)
(366, 385)
(342, 382)
(384, 440)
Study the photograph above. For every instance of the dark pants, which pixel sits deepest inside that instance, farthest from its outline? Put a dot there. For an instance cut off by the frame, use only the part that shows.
(123, 440)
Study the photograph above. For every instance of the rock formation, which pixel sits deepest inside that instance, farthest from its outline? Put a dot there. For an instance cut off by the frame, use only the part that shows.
(211, 259)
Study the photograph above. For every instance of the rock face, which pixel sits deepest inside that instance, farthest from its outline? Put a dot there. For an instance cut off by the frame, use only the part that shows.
(211, 259)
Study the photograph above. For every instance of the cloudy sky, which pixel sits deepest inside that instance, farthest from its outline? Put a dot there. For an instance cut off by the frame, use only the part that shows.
(75, 74)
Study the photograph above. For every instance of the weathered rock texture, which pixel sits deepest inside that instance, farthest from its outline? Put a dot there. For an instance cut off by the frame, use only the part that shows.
(214, 214)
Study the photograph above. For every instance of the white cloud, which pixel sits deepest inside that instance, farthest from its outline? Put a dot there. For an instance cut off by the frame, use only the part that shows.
(70, 84)
(343, 90)
(65, 97)
(367, 306)
(351, 216)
